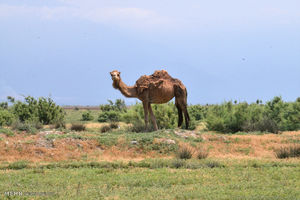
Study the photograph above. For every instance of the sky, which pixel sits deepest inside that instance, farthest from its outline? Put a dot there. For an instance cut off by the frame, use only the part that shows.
(220, 50)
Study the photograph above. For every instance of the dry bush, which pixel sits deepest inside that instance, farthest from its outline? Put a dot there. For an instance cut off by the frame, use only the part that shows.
(105, 128)
(202, 154)
(185, 152)
(77, 127)
(113, 125)
(287, 152)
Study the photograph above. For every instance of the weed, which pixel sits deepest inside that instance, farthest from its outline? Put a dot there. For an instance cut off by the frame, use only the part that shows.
(177, 164)
(202, 154)
(78, 127)
(18, 165)
(185, 153)
(105, 128)
(114, 125)
(287, 152)
(214, 164)
(245, 151)
(7, 132)
(29, 127)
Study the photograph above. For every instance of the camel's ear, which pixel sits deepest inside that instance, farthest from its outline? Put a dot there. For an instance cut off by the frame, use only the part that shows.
(119, 73)
(110, 73)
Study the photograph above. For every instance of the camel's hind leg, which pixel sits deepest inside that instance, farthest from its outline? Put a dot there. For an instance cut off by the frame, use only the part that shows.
(183, 107)
(181, 104)
(180, 117)
(152, 117)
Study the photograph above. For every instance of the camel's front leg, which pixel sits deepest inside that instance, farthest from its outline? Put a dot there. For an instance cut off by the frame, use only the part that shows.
(146, 115)
(152, 117)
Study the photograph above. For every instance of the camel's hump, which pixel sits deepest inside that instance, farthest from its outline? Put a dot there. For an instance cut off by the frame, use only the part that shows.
(154, 80)
(161, 74)
(156, 76)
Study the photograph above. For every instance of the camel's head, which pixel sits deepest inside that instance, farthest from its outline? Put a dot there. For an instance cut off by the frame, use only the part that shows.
(115, 75)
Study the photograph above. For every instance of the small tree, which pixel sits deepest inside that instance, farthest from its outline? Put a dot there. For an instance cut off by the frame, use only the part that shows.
(87, 116)
(43, 110)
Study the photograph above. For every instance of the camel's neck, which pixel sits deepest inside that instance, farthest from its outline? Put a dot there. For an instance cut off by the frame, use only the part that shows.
(127, 91)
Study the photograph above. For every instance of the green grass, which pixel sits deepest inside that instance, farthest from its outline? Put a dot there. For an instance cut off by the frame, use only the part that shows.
(76, 115)
(234, 180)
(7, 132)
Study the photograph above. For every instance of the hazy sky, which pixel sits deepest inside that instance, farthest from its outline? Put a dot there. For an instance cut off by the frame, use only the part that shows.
(221, 50)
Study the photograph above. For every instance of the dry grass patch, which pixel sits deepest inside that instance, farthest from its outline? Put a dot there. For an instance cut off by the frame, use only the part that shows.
(288, 152)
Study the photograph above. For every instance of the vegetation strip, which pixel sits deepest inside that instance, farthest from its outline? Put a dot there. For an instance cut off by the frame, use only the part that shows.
(148, 163)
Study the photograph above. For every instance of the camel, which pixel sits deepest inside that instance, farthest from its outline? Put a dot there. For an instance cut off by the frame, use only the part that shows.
(157, 88)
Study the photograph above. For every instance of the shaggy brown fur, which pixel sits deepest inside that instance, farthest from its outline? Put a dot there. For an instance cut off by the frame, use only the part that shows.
(157, 88)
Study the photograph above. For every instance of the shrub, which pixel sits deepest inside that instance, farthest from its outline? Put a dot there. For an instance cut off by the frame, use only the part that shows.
(177, 164)
(3, 105)
(119, 105)
(109, 116)
(48, 111)
(264, 125)
(114, 125)
(287, 152)
(105, 128)
(78, 127)
(139, 127)
(275, 115)
(29, 127)
(213, 164)
(6, 117)
(87, 116)
(60, 124)
(290, 117)
(202, 154)
(197, 112)
(43, 110)
(185, 153)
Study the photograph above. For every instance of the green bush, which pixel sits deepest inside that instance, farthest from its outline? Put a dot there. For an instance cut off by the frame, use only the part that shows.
(290, 117)
(43, 110)
(276, 115)
(28, 126)
(87, 116)
(118, 105)
(197, 112)
(109, 116)
(3, 105)
(6, 117)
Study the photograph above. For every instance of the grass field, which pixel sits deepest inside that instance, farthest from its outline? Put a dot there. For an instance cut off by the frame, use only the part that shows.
(233, 180)
(65, 164)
